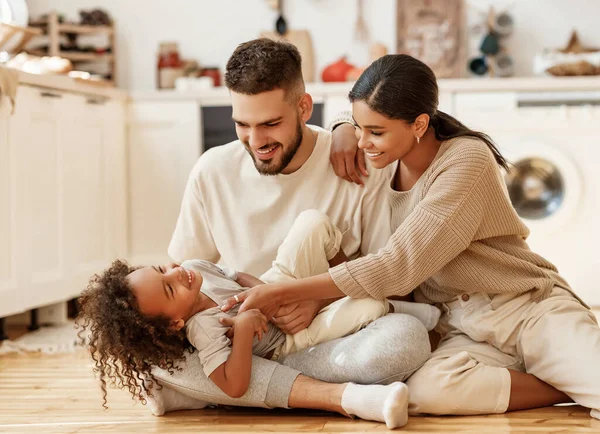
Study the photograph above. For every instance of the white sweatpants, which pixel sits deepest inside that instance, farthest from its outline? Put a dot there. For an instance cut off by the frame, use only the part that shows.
(311, 242)
(556, 339)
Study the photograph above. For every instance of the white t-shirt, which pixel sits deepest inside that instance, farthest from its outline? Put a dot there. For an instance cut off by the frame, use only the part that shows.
(233, 215)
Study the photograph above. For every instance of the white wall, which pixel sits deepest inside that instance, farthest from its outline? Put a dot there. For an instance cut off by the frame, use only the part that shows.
(209, 30)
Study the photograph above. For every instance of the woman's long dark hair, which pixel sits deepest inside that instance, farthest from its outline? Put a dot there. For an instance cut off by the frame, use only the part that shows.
(399, 86)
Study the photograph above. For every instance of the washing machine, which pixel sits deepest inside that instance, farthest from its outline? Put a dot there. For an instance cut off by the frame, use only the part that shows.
(552, 140)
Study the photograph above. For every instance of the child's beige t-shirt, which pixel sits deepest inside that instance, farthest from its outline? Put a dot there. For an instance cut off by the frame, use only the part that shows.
(206, 333)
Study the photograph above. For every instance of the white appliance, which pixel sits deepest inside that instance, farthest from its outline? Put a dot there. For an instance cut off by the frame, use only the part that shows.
(553, 140)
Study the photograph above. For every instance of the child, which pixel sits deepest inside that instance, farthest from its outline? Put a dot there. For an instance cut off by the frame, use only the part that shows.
(137, 315)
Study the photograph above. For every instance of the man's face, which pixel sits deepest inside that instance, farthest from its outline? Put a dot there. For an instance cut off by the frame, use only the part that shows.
(270, 128)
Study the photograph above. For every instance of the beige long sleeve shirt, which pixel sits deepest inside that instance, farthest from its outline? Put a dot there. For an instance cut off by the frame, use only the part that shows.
(455, 232)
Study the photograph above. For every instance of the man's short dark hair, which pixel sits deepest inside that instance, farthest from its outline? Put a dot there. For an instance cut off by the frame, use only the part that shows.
(262, 65)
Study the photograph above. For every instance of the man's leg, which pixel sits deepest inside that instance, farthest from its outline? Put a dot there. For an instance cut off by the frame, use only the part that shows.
(387, 350)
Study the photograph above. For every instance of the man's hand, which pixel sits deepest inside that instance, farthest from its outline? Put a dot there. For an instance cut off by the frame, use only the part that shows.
(347, 160)
(295, 317)
(251, 319)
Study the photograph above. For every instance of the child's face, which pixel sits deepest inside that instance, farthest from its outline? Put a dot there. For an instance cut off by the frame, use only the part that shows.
(169, 290)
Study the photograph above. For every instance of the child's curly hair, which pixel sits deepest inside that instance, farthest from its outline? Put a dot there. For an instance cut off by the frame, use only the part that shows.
(124, 343)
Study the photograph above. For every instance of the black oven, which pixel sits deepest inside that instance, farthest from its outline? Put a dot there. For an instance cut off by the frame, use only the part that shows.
(218, 128)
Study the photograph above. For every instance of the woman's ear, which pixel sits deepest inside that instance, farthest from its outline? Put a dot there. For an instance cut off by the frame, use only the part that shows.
(177, 324)
(420, 125)
(306, 107)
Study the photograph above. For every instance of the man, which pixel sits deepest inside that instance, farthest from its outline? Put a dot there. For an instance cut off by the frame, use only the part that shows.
(240, 202)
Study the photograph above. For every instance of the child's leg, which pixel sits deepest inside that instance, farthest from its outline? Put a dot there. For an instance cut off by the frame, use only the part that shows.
(426, 313)
(341, 318)
(560, 344)
(311, 242)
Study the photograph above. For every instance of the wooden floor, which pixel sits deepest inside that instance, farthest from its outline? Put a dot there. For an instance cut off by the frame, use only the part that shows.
(58, 394)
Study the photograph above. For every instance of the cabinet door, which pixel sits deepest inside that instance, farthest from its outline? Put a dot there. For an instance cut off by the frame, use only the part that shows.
(164, 145)
(9, 294)
(36, 148)
(93, 187)
(66, 191)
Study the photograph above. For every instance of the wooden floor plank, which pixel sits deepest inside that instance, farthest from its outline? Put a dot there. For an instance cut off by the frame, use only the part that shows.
(59, 394)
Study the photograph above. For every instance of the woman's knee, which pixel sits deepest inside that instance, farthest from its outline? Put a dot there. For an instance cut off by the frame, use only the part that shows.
(457, 384)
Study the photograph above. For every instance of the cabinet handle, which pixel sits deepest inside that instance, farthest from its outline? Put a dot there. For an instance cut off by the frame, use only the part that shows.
(96, 101)
(50, 95)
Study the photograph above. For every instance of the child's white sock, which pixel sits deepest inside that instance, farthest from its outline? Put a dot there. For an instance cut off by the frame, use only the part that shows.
(387, 404)
(595, 413)
(166, 399)
(426, 313)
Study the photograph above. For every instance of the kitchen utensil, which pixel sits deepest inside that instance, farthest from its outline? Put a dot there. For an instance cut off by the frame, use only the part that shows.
(503, 24)
(361, 32)
(280, 24)
(478, 66)
(490, 44)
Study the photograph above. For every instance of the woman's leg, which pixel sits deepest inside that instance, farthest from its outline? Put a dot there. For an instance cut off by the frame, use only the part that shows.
(560, 344)
(465, 377)
(528, 391)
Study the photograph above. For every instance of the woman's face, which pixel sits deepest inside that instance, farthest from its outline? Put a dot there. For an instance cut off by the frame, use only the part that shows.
(384, 140)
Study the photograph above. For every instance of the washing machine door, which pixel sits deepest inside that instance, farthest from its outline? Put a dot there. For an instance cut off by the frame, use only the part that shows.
(544, 185)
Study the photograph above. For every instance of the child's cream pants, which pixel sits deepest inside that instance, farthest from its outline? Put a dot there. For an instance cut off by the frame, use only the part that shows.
(311, 242)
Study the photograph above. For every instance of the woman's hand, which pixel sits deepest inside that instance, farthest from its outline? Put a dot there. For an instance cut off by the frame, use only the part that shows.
(347, 160)
(260, 297)
(292, 318)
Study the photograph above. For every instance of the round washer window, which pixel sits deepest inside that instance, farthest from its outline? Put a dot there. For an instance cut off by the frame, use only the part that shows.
(536, 188)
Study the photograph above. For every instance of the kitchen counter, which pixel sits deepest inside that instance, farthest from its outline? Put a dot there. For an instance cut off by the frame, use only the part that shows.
(514, 84)
(61, 82)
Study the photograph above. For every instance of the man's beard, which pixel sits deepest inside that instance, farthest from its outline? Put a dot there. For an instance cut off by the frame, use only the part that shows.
(270, 167)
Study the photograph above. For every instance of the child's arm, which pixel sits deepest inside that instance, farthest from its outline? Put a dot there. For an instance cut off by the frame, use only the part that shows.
(233, 376)
(247, 280)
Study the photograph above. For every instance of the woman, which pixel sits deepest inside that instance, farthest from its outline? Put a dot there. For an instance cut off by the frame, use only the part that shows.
(508, 317)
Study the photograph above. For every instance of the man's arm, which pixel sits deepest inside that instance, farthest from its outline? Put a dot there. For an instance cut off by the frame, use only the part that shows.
(192, 238)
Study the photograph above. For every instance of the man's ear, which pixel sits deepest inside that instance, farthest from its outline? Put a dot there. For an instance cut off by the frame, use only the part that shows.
(306, 107)
(177, 324)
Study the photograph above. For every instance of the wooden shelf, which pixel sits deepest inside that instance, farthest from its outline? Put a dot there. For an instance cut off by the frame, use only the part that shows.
(76, 28)
(77, 57)
(56, 30)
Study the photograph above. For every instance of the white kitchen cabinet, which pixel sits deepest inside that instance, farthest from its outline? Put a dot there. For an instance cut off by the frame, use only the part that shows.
(163, 146)
(63, 196)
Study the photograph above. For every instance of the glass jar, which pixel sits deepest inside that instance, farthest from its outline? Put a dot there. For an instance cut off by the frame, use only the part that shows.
(212, 72)
(169, 65)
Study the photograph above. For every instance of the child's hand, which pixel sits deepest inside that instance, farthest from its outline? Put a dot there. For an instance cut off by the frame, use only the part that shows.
(252, 319)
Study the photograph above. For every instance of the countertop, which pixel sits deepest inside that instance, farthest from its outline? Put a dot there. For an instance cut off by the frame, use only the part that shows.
(514, 84)
(61, 82)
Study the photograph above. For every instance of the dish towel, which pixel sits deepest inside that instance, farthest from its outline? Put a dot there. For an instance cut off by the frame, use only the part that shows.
(9, 82)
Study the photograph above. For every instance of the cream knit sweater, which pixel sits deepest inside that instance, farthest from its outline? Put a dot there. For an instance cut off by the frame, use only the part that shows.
(456, 232)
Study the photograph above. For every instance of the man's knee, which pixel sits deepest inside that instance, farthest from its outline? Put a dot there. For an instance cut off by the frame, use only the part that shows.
(399, 345)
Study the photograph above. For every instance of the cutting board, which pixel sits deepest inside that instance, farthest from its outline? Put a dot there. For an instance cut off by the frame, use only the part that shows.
(302, 40)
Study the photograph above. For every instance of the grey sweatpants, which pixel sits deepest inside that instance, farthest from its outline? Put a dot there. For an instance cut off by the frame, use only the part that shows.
(387, 350)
